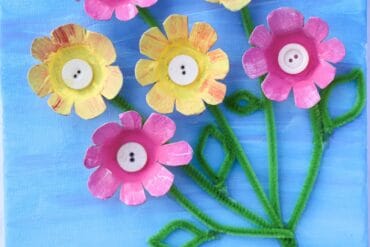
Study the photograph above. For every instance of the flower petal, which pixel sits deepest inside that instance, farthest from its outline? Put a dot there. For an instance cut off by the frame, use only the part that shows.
(276, 88)
(161, 128)
(176, 27)
(158, 180)
(175, 154)
(126, 11)
(202, 36)
(260, 37)
(103, 184)
(213, 92)
(159, 100)
(106, 133)
(38, 80)
(59, 104)
(316, 28)
(131, 120)
(102, 46)
(113, 82)
(254, 63)
(144, 3)
(332, 50)
(93, 157)
(324, 74)
(190, 106)
(153, 43)
(132, 194)
(68, 34)
(90, 108)
(146, 72)
(219, 64)
(285, 20)
(98, 10)
(306, 95)
(42, 48)
(235, 5)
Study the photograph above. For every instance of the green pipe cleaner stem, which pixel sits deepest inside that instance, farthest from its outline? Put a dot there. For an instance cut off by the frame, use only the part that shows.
(206, 220)
(271, 129)
(147, 17)
(244, 163)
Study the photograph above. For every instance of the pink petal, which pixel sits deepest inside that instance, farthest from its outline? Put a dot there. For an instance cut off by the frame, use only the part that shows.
(316, 28)
(92, 157)
(159, 127)
(131, 120)
(324, 74)
(98, 9)
(106, 132)
(126, 11)
(276, 88)
(260, 37)
(306, 95)
(285, 20)
(332, 50)
(254, 63)
(132, 194)
(175, 154)
(102, 183)
(158, 181)
(144, 3)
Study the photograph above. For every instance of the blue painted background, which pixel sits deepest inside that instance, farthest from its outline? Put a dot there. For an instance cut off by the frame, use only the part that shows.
(46, 199)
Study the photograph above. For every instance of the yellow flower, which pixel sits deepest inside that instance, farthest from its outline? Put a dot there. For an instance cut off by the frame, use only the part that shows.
(75, 71)
(183, 70)
(233, 5)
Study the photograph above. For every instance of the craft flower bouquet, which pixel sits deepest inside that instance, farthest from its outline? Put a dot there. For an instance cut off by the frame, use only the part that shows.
(292, 54)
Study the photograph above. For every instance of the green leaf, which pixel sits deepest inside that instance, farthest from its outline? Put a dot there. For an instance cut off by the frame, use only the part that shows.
(243, 102)
(199, 238)
(330, 123)
(218, 178)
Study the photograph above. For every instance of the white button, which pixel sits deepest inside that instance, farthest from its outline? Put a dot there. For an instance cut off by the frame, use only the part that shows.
(77, 74)
(132, 157)
(183, 70)
(293, 58)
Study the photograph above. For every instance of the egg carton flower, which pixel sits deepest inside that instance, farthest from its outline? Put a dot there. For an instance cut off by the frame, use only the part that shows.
(131, 156)
(185, 73)
(125, 9)
(294, 56)
(75, 70)
(233, 5)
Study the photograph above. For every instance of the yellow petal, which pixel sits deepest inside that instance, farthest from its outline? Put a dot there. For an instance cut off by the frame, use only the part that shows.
(152, 43)
(102, 46)
(219, 64)
(202, 36)
(42, 48)
(69, 34)
(160, 100)
(90, 108)
(113, 82)
(61, 105)
(146, 72)
(213, 92)
(213, 1)
(190, 106)
(235, 5)
(176, 27)
(38, 80)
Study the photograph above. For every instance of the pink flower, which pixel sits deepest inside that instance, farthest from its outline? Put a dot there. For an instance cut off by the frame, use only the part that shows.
(125, 9)
(294, 56)
(130, 156)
